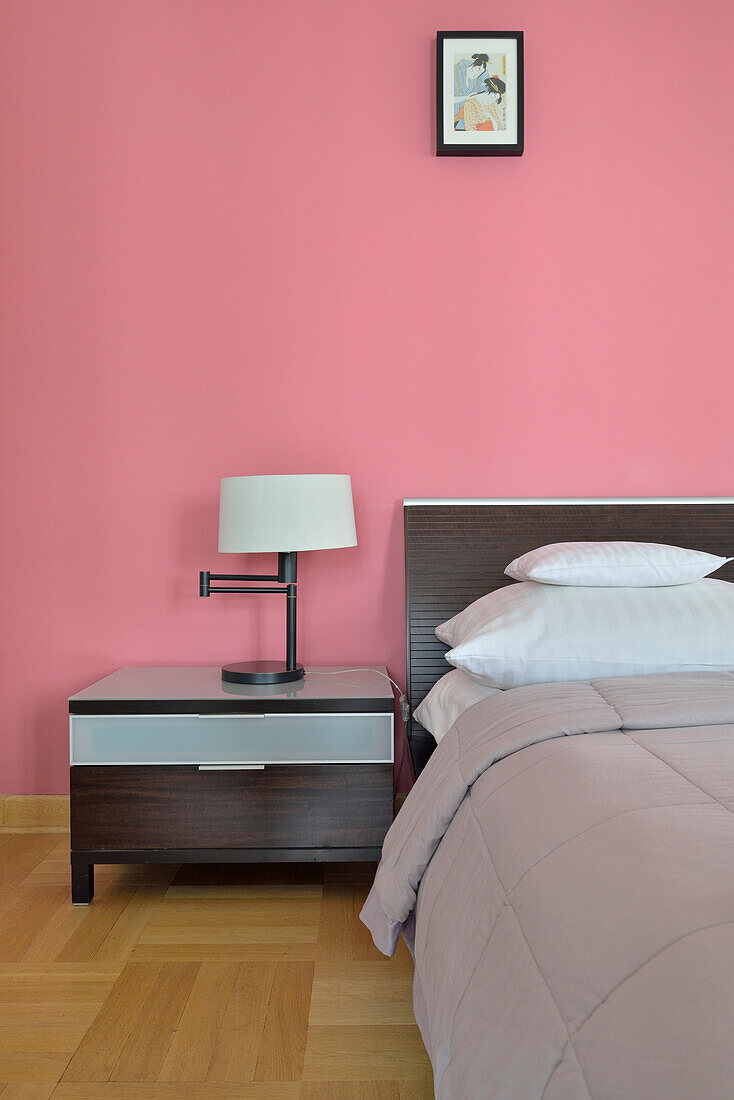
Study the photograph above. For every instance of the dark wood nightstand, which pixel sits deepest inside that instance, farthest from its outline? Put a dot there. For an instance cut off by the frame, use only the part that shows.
(170, 765)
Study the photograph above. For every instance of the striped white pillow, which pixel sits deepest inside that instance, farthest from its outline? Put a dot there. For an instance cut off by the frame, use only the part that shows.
(613, 564)
(448, 698)
(531, 633)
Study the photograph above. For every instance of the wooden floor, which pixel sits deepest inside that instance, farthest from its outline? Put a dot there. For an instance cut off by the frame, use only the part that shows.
(199, 983)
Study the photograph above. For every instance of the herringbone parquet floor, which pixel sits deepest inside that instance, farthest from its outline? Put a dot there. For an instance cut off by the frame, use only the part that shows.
(198, 983)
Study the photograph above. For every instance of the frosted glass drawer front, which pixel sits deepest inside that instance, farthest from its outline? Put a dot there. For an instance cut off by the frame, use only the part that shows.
(232, 739)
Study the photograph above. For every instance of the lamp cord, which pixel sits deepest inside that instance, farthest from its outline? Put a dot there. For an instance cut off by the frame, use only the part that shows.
(402, 700)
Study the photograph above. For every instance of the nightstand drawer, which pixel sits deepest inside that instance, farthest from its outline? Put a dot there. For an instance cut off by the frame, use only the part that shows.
(231, 739)
(287, 807)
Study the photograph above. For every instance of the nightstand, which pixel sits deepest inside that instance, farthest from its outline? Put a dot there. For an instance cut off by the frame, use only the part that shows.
(171, 765)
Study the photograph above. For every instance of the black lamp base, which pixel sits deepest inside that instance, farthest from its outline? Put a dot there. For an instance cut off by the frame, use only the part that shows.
(261, 672)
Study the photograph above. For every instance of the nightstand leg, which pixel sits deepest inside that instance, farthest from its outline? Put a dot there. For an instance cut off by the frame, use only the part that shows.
(82, 882)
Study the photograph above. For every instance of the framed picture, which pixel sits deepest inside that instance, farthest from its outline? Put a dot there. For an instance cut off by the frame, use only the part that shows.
(479, 100)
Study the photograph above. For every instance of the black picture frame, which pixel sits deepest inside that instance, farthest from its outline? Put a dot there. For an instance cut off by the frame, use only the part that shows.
(492, 147)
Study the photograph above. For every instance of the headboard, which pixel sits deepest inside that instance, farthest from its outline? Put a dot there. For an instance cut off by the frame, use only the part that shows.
(457, 550)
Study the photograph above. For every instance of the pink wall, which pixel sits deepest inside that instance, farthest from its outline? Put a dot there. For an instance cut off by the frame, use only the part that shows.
(227, 248)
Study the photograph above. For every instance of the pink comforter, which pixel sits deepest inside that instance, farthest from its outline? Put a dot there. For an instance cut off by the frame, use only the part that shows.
(565, 865)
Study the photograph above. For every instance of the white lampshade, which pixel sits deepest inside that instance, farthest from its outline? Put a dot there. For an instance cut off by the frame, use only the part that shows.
(282, 513)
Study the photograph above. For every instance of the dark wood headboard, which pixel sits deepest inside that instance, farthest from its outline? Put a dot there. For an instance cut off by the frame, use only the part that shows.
(457, 550)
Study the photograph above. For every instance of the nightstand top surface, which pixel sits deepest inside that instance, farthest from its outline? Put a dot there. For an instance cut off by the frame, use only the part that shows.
(180, 690)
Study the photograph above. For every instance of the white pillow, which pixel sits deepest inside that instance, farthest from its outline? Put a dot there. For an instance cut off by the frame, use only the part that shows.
(531, 633)
(448, 698)
(613, 564)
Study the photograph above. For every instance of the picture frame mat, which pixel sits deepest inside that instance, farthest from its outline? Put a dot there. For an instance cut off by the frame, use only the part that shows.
(470, 45)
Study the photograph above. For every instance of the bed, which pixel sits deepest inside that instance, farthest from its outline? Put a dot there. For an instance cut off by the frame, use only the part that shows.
(563, 869)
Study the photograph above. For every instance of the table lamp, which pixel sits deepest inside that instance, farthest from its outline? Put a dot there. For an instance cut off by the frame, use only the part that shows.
(279, 514)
